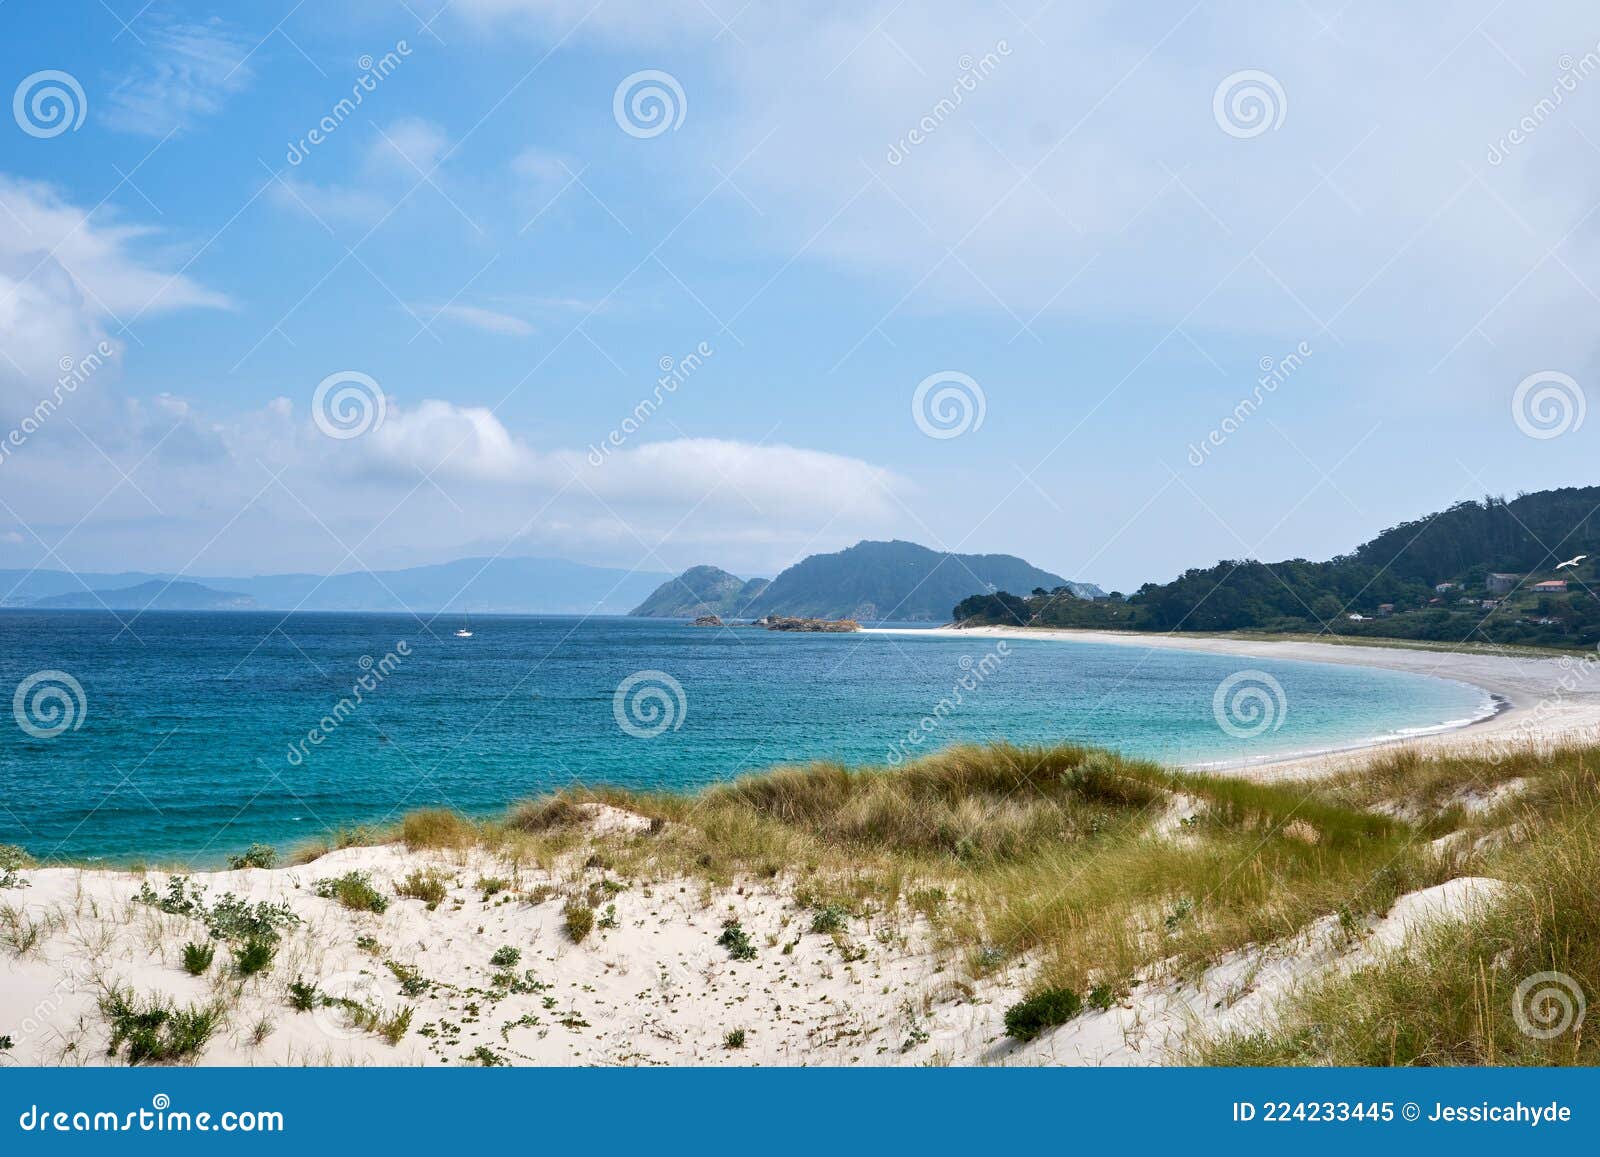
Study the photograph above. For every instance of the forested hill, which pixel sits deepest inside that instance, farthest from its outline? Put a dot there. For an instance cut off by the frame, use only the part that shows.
(1528, 533)
(1488, 557)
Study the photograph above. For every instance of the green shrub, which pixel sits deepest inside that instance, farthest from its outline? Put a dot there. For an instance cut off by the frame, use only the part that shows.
(734, 1039)
(736, 941)
(829, 919)
(255, 856)
(197, 957)
(506, 957)
(253, 956)
(492, 885)
(154, 1030)
(230, 918)
(12, 860)
(412, 982)
(1028, 1018)
(354, 891)
(430, 886)
(304, 996)
(579, 919)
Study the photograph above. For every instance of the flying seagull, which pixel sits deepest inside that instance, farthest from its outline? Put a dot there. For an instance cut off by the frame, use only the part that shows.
(1573, 561)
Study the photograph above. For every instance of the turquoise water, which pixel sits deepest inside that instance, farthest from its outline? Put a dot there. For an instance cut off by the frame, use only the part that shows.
(196, 734)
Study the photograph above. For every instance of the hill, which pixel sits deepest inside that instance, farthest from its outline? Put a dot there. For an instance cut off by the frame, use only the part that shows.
(701, 590)
(154, 595)
(897, 580)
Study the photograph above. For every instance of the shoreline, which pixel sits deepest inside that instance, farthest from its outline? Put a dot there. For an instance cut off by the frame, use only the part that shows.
(1542, 701)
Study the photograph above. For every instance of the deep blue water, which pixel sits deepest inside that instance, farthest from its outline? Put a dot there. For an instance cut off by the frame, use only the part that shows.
(193, 740)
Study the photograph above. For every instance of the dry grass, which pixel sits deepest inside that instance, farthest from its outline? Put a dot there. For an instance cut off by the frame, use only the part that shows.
(1453, 998)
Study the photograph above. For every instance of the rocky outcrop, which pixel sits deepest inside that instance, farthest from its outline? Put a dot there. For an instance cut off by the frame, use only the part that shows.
(819, 626)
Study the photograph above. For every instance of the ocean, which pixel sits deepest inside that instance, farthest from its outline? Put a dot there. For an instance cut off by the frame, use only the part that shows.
(186, 737)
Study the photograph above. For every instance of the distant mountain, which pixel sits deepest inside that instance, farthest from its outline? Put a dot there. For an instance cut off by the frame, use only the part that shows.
(871, 580)
(701, 590)
(476, 585)
(155, 595)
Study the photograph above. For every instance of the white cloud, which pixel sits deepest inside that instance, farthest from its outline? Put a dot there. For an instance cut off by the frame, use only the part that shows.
(410, 146)
(96, 252)
(488, 320)
(185, 72)
(1083, 175)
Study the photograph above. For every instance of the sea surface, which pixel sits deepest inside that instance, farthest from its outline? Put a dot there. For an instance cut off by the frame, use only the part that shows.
(196, 735)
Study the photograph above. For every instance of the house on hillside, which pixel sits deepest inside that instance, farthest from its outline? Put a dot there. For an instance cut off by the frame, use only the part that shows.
(1502, 584)
(1550, 587)
(1441, 588)
(1385, 610)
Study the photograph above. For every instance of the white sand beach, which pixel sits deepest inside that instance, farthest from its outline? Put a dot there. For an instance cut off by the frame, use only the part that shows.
(1542, 699)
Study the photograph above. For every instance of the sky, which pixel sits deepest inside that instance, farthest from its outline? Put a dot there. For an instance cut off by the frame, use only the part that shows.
(1119, 289)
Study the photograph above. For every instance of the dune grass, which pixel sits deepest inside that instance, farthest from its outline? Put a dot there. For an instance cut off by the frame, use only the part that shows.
(1505, 988)
(1038, 852)
(1099, 873)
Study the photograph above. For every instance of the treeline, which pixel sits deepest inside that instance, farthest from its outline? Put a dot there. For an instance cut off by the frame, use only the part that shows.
(1389, 582)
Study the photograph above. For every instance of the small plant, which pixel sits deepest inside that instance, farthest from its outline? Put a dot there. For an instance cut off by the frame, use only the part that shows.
(197, 957)
(230, 918)
(430, 886)
(354, 891)
(579, 920)
(608, 918)
(12, 860)
(369, 945)
(1028, 1018)
(155, 1031)
(1179, 913)
(736, 941)
(255, 856)
(412, 982)
(7, 1044)
(734, 1039)
(830, 919)
(1102, 997)
(254, 955)
(492, 886)
(506, 957)
(304, 995)
(392, 1028)
(486, 1057)
(261, 1031)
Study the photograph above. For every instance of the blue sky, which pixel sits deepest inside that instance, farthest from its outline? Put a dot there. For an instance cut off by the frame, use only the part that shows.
(1101, 244)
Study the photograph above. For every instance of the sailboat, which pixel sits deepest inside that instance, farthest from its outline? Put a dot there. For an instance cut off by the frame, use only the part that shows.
(464, 631)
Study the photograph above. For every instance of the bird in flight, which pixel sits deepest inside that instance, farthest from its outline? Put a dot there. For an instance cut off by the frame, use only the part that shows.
(1573, 561)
